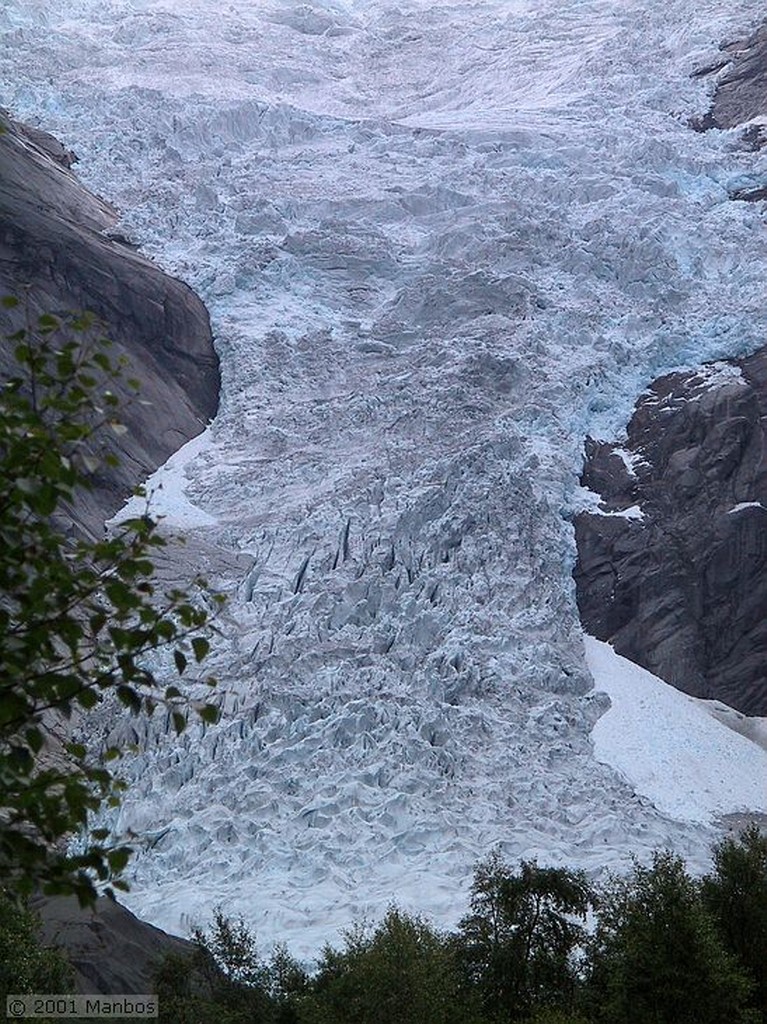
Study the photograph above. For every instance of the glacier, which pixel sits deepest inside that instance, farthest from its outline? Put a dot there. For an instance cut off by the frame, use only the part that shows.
(441, 244)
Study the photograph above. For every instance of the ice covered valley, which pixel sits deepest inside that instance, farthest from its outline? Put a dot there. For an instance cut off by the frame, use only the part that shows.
(441, 243)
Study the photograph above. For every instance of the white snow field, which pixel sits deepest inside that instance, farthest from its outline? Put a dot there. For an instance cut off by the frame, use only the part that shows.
(441, 242)
(673, 748)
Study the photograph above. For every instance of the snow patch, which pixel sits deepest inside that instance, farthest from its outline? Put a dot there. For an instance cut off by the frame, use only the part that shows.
(630, 460)
(633, 512)
(743, 505)
(586, 500)
(670, 748)
(165, 498)
(716, 375)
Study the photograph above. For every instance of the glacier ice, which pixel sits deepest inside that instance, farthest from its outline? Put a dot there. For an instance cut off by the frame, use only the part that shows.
(440, 244)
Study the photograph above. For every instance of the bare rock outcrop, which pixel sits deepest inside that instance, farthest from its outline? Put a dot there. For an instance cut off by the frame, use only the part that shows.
(55, 249)
(112, 952)
(58, 254)
(672, 568)
(741, 89)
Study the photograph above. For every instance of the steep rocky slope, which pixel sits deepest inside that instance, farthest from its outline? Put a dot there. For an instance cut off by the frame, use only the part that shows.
(741, 88)
(672, 563)
(55, 249)
(110, 949)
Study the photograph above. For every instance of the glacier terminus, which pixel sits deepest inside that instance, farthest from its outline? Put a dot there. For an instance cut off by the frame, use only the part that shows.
(441, 243)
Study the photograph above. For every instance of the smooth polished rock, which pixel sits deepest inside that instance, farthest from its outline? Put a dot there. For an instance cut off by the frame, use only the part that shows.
(57, 256)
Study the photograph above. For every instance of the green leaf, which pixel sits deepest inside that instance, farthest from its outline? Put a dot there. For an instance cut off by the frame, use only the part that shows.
(180, 660)
(35, 739)
(200, 646)
(14, 706)
(128, 696)
(209, 713)
(179, 722)
(87, 698)
(118, 859)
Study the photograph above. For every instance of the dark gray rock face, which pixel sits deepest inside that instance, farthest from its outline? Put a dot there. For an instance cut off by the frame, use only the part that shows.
(111, 950)
(741, 90)
(53, 246)
(683, 590)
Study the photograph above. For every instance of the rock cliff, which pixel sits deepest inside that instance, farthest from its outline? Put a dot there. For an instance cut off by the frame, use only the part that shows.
(741, 88)
(56, 253)
(111, 951)
(55, 247)
(672, 566)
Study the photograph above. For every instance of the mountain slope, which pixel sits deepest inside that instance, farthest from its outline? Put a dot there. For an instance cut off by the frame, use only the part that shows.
(440, 244)
(672, 561)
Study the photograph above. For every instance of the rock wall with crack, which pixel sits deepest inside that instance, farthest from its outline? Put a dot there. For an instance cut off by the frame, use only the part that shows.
(56, 249)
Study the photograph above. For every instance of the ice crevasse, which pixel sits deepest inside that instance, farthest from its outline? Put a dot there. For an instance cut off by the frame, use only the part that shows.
(440, 244)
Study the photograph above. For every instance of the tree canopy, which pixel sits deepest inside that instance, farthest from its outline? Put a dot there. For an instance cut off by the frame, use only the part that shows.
(518, 941)
(658, 957)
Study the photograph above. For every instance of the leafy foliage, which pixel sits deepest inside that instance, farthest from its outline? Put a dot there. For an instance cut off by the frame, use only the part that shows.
(401, 973)
(736, 894)
(80, 621)
(657, 957)
(226, 981)
(25, 964)
(518, 944)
